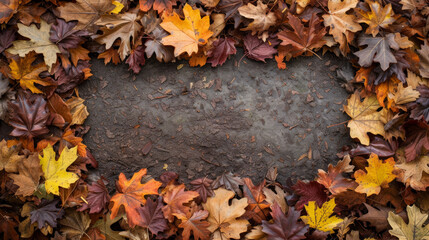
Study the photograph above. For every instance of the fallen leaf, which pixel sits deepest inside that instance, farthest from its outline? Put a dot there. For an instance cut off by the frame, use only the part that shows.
(175, 198)
(413, 171)
(154, 46)
(7, 10)
(257, 208)
(110, 55)
(257, 49)
(46, 213)
(416, 139)
(424, 60)
(378, 17)
(9, 158)
(197, 224)
(320, 218)
(230, 182)
(262, 18)
(153, 217)
(29, 175)
(158, 5)
(104, 225)
(334, 180)
(222, 49)
(278, 197)
(309, 192)
(378, 217)
(203, 186)
(78, 110)
(74, 224)
(98, 197)
(414, 229)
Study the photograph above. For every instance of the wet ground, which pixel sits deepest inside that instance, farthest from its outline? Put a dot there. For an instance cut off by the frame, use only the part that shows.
(205, 121)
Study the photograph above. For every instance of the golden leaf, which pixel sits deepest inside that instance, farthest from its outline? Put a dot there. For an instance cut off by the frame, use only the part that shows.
(320, 218)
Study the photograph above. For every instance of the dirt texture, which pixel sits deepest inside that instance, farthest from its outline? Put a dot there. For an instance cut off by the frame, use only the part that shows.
(205, 121)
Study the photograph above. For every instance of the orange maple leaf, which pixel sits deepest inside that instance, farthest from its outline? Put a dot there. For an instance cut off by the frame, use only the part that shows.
(258, 207)
(334, 180)
(131, 194)
(175, 197)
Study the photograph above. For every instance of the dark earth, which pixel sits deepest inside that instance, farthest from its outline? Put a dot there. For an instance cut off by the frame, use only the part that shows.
(243, 118)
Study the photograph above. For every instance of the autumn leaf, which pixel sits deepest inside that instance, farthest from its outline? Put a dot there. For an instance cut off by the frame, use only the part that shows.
(136, 59)
(377, 217)
(46, 213)
(365, 117)
(413, 172)
(7, 10)
(29, 175)
(279, 197)
(284, 226)
(414, 229)
(78, 110)
(154, 46)
(55, 173)
(403, 95)
(230, 9)
(203, 186)
(416, 139)
(175, 198)
(186, 35)
(39, 42)
(340, 23)
(302, 39)
(29, 116)
(334, 180)
(131, 194)
(98, 197)
(257, 208)
(223, 216)
(158, 5)
(309, 192)
(74, 224)
(424, 60)
(197, 225)
(78, 53)
(378, 17)
(110, 55)
(68, 138)
(378, 175)
(378, 50)
(419, 109)
(9, 158)
(124, 26)
(229, 181)
(256, 49)
(6, 95)
(222, 49)
(262, 18)
(65, 37)
(153, 217)
(320, 218)
(86, 12)
(105, 226)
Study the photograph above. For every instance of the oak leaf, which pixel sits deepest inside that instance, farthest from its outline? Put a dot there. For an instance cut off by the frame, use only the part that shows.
(39, 42)
(365, 117)
(263, 19)
(334, 180)
(9, 158)
(153, 217)
(86, 12)
(29, 116)
(55, 173)
(223, 216)
(284, 226)
(197, 225)
(175, 197)
(378, 50)
(74, 224)
(414, 229)
(78, 110)
(257, 208)
(378, 17)
(340, 23)
(378, 175)
(124, 26)
(131, 194)
(29, 175)
(320, 218)
(186, 35)
(303, 39)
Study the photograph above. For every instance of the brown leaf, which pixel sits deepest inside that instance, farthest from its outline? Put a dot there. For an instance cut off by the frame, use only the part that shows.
(29, 175)
(175, 198)
(9, 157)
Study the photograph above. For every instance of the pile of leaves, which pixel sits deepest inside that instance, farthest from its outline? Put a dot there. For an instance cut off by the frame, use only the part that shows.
(377, 190)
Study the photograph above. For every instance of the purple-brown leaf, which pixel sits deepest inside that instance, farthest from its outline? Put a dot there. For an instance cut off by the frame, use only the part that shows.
(222, 48)
(257, 49)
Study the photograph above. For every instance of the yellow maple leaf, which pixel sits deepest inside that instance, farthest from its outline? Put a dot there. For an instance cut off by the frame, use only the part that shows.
(377, 175)
(320, 218)
(365, 117)
(27, 74)
(377, 17)
(55, 170)
(118, 7)
(186, 35)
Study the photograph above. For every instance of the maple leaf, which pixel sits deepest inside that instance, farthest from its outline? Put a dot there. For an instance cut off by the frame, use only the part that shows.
(257, 49)
(9, 158)
(78, 110)
(55, 173)
(110, 55)
(136, 59)
(424, 60)
(203, 186)
(29, 116)
(8, 222)
(378, 217)
(78, 53)
(222, 49)
(86, 12)
(284, 226)
(278, 197)
(28, 74)
(137, 233)
(230, 9)
(223, 216)
(416, 139)
(377, 50)
(320, 218)
(341, 24)
(197, 225)
(7, 10)
(124, 26)
(257, 208)
(420, 109)
(68, 138)
(263, 19)
(46, 214)
(230, 182)
(175, 198)
(186, 35)
(153, 217)
(413, 171)
(6, 38)
(404, 95)
(378, 17)
(39, 42)
(65, 37)
(59, 110)
(98, 197)
(131, 194)
(414, 229)
(104, 225)
(158, 5)
(6, 94)
(29, 175)
(302, 39)
(365, 117)
(334, 180)
(378, 174)
(310, 191)
(154, 46)
(74, 224)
